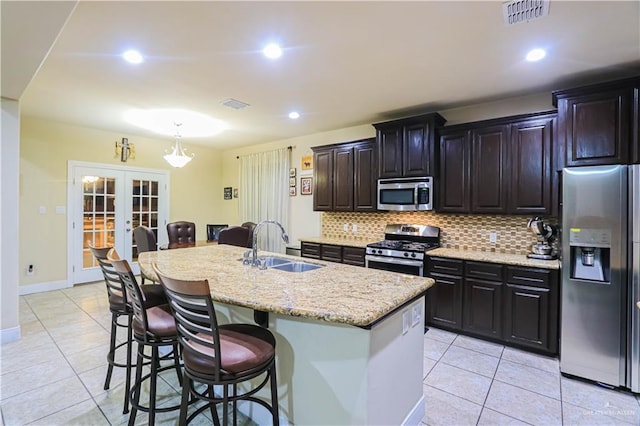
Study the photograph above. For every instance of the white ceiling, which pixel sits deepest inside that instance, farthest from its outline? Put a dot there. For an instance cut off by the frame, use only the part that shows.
(345, 63)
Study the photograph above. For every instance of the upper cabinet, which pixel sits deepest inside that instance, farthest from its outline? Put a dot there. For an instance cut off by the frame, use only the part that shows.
(598, 124)
(345, 176)
(501, 166)
(406, 147)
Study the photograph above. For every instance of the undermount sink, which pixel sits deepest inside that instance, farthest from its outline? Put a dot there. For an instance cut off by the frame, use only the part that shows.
(297, 267)
(287, 265)
(271, 261)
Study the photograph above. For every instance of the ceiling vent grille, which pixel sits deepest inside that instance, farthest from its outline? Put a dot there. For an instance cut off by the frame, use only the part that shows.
(234, 103)
(518, 11)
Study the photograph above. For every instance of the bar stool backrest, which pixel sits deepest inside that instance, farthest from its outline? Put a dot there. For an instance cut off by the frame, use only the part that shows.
(135, 297)
(195, 316)
(115, 287)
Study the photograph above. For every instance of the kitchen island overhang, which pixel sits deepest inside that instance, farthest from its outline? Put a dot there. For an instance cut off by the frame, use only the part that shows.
(349, 339)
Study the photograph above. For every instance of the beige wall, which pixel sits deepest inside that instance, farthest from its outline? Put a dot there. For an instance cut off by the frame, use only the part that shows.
(45, 148)
(9, 219)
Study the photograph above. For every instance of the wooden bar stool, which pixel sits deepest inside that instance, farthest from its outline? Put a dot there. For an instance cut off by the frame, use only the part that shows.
(119, 307)
(152, 327)
(225, 355)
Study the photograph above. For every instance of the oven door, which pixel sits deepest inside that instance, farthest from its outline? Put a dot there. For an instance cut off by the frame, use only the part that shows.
(393, 264)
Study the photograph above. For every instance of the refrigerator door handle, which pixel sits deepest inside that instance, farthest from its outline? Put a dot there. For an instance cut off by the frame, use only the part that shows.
(635, 317)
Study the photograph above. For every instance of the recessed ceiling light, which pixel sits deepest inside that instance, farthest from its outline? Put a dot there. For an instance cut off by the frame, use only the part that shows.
(133, 57)
(293, 115)
(163, 121)
(535, 55)
(272, 51)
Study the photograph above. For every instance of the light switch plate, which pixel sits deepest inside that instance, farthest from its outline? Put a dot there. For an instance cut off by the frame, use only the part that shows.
(416, 315)
(405, 322)
(354, 228)
(493, 237)
(345, 227)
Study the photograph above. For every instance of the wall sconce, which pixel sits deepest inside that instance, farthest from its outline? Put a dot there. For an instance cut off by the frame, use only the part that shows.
(125, 150)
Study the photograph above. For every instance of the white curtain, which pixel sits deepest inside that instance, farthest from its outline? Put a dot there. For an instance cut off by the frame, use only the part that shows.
(264, 194)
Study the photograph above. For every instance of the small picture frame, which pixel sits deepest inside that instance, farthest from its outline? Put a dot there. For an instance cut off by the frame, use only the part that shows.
(292, 172)
(227, 192)
(292, 191)
(306, 162)
(306, 185)
(292, 181)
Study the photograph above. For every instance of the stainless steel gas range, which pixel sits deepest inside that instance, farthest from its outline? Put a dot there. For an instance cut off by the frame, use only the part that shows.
(403, 249)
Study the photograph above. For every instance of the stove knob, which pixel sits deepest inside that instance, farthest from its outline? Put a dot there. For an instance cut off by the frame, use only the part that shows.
(406, 255)
(413, 255)
(379, 251)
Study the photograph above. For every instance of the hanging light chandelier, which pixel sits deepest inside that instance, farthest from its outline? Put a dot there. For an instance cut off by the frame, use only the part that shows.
(178, 157)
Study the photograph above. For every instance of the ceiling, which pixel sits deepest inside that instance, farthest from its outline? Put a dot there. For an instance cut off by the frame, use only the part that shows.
(344, 63)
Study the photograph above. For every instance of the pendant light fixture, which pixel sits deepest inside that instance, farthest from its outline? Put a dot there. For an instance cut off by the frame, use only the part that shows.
(177, 157)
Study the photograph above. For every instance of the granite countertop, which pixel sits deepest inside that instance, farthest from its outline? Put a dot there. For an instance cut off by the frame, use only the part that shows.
(339, 241)
(485, 256)
(336, 293)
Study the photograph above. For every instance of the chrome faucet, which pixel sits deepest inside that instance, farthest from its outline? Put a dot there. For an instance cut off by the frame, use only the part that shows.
(254, 259)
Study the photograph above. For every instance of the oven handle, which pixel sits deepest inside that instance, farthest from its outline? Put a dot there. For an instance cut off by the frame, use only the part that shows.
(395, 260)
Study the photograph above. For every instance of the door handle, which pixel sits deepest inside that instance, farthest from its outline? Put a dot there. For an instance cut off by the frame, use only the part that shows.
(128, 229)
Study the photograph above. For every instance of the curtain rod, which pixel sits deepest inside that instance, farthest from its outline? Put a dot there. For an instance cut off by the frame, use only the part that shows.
(289, 148)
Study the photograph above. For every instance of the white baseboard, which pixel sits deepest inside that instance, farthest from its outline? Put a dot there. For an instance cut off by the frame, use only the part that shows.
(416, 414)
(9, 335)
(42, 287)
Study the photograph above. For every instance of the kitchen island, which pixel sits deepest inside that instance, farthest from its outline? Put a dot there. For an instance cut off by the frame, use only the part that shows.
(344, 353)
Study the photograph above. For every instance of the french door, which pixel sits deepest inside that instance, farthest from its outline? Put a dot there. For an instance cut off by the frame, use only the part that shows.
(105, 204)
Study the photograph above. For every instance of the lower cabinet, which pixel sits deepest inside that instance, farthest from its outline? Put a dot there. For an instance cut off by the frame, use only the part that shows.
(512, 305)
(333, 253)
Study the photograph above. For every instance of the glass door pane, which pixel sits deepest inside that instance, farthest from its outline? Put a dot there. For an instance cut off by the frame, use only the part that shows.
(144, 208)
(98, 213)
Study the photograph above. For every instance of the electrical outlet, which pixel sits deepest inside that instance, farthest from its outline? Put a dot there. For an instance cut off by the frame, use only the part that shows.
(416, 315)
(30, 270)
(345, 227)
(354, 228)
(405, 322)
(493, 237)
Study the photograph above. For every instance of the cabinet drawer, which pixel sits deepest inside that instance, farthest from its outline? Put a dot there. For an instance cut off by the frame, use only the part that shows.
(442, 265)
(353, 256)
(529, 277)
(311, 250)
(331, 253)
(483, 271)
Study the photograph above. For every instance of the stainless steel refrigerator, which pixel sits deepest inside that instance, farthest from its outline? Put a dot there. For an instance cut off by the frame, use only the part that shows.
(600, 323)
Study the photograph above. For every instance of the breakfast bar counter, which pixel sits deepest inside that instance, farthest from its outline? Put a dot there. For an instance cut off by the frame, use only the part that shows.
(349, 339)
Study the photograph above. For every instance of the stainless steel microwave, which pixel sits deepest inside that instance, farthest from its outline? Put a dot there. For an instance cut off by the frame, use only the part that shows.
(405, 194)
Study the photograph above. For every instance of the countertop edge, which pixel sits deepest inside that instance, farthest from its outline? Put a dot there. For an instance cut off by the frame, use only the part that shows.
(491, 257)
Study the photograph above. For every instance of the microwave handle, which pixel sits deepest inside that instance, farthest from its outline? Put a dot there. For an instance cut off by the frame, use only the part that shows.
(416, 197)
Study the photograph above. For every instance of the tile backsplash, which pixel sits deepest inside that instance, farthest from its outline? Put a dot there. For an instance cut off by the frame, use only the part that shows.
(457, 231)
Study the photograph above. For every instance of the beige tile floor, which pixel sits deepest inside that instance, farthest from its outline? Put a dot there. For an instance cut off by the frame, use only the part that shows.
(55, 373)
(472, 382)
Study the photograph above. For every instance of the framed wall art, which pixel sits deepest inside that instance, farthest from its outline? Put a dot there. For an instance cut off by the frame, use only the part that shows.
(227, 192)
(306, 185)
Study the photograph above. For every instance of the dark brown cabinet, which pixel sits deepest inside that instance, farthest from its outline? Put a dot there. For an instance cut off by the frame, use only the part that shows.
(598, 123)
(500, 166)
(532, 173)
(482, 293)
(531, 308)
(444, 298)
(345, 176)
(406, 146)
(489, 169)
(334, 253)
(508, 304)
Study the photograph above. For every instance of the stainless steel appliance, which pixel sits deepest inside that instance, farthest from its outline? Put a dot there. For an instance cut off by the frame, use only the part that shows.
(545, 234)
(600, 324)
(403, 249)
(405, 194)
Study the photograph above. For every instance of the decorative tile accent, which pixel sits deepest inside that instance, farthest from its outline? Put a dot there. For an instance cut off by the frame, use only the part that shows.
(457, 231)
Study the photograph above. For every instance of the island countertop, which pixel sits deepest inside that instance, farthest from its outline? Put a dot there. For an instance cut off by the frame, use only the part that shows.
(335, 293)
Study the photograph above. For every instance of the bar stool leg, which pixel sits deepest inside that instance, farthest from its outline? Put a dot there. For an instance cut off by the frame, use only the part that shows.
(155, 360)
(112, 350)
(135, 396)
(127, 384)
(274, 394)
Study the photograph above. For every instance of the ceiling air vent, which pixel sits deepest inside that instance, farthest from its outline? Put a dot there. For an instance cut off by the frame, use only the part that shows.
(235, 104)
(518, 11)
